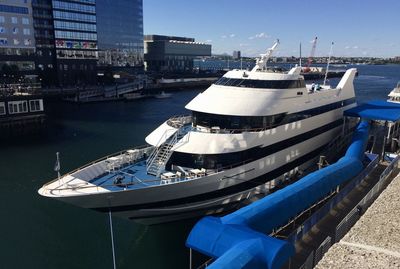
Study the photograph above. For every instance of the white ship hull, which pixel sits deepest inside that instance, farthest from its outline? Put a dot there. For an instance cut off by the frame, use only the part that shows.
(247, 132)
(217, 192)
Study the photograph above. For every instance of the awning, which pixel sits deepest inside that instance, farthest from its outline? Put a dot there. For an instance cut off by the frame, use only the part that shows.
(376, 110)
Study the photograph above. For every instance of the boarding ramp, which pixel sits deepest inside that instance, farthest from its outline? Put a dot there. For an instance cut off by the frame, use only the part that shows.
(239, 240)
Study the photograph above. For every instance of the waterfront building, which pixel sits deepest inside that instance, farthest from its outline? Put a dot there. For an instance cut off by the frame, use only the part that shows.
(75, 34)
(236, 55)
(171, 53)
(120, 38)
(17, 42)
(44, 37)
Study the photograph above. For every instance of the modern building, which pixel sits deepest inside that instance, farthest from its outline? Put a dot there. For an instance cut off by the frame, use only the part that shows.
(236, 55)
(17, 42)
(60, 40)
(171, 53)
(44, 36)
(75, 33)
(120, 33)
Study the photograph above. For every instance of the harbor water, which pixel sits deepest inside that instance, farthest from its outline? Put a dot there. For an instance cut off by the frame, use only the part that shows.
(37, 232)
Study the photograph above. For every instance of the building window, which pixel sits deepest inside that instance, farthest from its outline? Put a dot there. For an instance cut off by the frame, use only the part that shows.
(35, 105)
(14, 20)
(27, 42)
(3, 41)
(75, 35)
(2, 30)
(74, 16)
(25, 21)
(2, 108)
(16, 41)
(27, 31)
(15, 30)
(15, 107)
(74, 7)
(14, 9)
(2, 20)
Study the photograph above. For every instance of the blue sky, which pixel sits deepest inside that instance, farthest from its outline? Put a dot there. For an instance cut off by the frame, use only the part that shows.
(358, 28)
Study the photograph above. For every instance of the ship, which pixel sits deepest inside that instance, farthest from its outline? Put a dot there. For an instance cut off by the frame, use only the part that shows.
(246, 133)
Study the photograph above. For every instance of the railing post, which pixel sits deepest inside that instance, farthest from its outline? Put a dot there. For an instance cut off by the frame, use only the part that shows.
(190, 258)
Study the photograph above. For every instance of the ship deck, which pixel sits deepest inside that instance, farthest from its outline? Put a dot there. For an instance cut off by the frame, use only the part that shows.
(132, 176)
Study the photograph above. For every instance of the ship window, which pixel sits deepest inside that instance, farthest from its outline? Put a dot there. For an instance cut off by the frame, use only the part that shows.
(253, 123)
(236, 122)
(264, 84)
(2, 108)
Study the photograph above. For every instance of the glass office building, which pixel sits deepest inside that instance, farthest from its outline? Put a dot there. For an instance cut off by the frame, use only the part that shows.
(17, 42)
(120, 32)
(44, 36)
(172, 53)
(75, 33)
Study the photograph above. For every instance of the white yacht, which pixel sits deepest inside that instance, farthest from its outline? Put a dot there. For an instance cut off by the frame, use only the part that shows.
(394, 95)
(246, 132)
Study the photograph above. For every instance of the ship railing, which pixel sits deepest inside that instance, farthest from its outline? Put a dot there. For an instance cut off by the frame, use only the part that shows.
(143, 152)
(134, 180)
(101, 188)
(179, 121)
(218, 130)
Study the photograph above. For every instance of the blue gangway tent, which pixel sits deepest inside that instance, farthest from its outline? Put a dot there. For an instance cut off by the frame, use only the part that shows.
(376, 110)
(240, 240)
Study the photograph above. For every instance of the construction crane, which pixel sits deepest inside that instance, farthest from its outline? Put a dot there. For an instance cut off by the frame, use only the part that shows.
(310, 58)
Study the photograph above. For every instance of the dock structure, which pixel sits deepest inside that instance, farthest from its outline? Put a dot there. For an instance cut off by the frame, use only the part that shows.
(374, 241)
(21, 114)
(250, 237)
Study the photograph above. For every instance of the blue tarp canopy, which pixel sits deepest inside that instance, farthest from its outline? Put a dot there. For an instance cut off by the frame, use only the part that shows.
(238, 240)
(376, 110)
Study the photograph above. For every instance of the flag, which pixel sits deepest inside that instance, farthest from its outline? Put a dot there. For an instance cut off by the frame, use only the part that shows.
(57, 164)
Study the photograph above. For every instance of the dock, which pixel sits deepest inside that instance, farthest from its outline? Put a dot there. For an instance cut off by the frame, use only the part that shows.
(374, 241)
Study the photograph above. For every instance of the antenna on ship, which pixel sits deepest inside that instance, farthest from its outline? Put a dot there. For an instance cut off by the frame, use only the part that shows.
(261, 63)
(300, 55)
(327, 65)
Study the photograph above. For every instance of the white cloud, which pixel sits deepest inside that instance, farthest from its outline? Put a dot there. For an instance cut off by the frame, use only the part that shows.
(355, 47)
(347, 47)
(243, 45)
(230, 36)
(260, 35)
(208, 41)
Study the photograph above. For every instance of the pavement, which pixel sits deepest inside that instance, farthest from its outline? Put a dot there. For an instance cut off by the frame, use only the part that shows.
(374, 241)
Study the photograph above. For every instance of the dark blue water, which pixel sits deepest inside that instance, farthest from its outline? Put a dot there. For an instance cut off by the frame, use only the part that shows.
(37, 232)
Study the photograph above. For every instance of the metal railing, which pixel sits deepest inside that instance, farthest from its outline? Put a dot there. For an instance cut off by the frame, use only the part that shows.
(143, 148)
(321, 213)
(352, 217)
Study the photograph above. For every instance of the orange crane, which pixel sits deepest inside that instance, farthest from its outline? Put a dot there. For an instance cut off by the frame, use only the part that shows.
(310, 59)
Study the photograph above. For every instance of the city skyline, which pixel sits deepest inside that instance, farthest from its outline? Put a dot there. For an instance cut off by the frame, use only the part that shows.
(358, 28)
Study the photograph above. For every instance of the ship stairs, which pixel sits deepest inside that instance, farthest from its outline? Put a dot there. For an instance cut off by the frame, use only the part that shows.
(161, 154)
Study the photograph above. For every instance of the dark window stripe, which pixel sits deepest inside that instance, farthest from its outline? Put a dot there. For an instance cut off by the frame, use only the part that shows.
(263, 84)
(246, 185)
(247, 123)
(234, 159)
(14, 9)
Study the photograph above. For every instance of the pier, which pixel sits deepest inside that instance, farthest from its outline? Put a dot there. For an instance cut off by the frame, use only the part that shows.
(373, 242)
